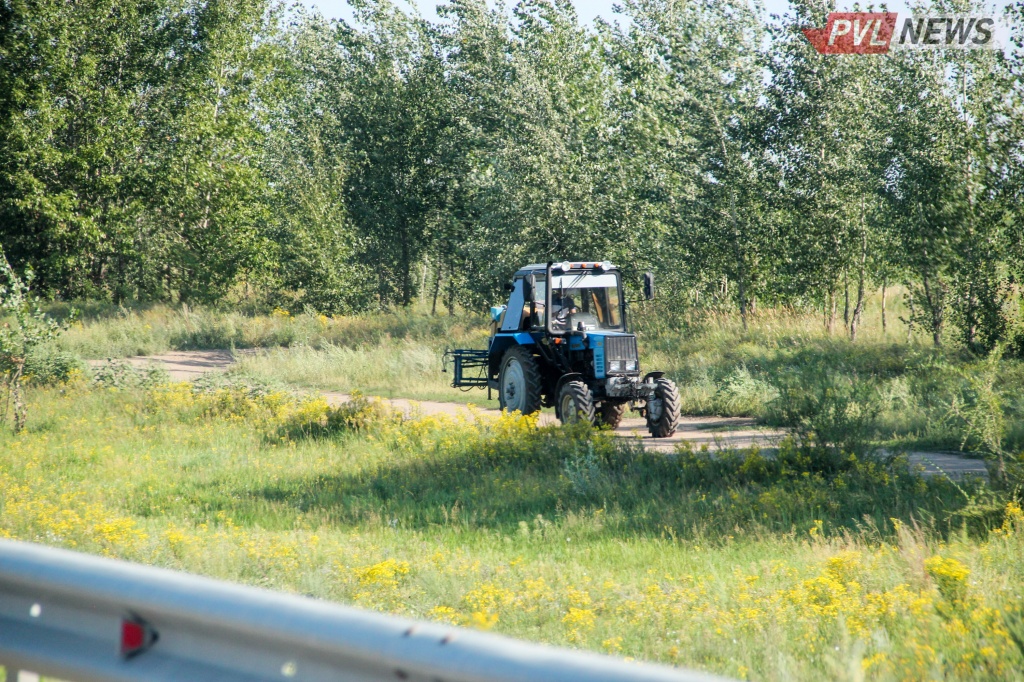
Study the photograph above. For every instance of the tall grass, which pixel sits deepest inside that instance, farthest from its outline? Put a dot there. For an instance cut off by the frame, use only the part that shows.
(794, 567)
(125, 332)
(393, 368)
(772, 371)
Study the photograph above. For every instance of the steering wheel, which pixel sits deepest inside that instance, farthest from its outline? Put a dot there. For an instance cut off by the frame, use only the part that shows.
(589, 320)
(564, 313)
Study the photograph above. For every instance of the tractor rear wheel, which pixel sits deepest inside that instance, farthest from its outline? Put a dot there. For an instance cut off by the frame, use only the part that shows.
(519, 384)
(610, 414)
(575, 403)
(663, 409)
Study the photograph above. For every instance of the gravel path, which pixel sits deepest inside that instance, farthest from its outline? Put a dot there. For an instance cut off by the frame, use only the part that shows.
(184, 365)
(713, 432)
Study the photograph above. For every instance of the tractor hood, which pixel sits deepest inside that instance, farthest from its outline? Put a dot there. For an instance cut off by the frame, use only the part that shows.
(615, 353)
(594, 339)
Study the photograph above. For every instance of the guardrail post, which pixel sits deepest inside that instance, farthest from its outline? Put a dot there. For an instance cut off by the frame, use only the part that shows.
(21, 676)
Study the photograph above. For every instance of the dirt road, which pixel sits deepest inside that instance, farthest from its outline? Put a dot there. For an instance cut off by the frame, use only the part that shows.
(183, 365)
(714, 432)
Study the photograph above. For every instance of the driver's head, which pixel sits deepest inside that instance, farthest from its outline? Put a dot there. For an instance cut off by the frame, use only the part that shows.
(568, 303)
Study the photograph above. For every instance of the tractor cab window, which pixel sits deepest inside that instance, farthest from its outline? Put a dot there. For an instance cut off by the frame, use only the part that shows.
(517, 313)
(539, 317)
(590, 299)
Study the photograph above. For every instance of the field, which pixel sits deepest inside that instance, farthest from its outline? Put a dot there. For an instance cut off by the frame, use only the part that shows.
(784, 367)
(331, 205)
(821, 561)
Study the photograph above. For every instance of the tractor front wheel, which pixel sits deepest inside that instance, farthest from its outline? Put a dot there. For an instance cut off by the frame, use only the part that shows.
(575, 403)
(663, 409)
(610, 414)
(519, 384)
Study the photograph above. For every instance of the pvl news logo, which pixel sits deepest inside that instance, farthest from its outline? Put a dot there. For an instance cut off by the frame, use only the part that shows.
(883, 32)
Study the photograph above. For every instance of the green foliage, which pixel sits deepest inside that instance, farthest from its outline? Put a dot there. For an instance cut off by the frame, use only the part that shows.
(358, 414)
(23, 328)
(290, 162)
(46, 365)
(124, 375)
(166, 205)
(827, 409)
(980, 411)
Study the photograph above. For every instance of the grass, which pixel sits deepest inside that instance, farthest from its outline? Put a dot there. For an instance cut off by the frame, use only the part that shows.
(124, 332)
(905, 384)
(392, 368)
(393, 355)
(808, 565)
(902, 386)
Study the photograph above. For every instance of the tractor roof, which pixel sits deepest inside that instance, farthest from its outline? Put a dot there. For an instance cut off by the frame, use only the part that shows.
(573, 265)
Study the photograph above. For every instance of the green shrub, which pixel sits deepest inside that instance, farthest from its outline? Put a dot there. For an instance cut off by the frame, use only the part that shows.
(827, 408)
(47, 365)
(118, 374)
(359, 414)
(744, 395)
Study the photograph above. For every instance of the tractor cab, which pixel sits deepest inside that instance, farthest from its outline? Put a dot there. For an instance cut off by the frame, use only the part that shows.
(581, 296)
(585, 301)
(562, 340)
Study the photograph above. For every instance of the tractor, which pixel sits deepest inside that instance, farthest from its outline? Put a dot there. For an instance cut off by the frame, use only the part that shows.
(563, 340)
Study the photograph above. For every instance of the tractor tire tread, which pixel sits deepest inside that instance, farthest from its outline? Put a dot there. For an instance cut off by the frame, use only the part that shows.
(583, 399)
(611, 414)
(669, 394)
(531, 373)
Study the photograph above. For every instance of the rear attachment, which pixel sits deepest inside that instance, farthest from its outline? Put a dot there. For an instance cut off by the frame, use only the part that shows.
(470, 367)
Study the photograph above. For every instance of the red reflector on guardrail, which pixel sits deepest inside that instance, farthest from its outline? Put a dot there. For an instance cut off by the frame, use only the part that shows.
(136, 636)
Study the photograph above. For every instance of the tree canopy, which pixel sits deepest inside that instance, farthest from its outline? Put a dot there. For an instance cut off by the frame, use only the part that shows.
(187, 150)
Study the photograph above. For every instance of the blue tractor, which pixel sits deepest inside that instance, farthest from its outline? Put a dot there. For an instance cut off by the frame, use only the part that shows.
(562, 340)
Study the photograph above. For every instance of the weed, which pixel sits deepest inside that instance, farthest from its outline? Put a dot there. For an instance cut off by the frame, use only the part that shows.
(828, 409)
(117, 374)
(583, 471)
(742, 563)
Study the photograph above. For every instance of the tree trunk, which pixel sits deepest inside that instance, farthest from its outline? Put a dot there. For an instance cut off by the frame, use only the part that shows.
(451, 290)
(406, 275)
(743, 303)
(933, 293)
(5, 407)
(423, 283)
(437, 290)
(846, 298)
(971, 317)
(913, 313)
(859, 305)
(831, 304)
(20, 414)
(885, 281)
(824, 312)
(741, 270)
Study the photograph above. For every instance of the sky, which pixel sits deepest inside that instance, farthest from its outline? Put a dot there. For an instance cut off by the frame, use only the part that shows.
(588, 10)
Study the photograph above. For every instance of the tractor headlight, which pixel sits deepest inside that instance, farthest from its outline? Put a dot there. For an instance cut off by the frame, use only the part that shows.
(630, 365)
(615, 365)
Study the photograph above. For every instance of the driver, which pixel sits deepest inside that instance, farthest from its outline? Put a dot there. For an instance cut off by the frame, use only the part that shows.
(568, 308)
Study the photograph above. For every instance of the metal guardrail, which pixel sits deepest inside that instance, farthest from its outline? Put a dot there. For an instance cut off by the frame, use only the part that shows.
(86, 618)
